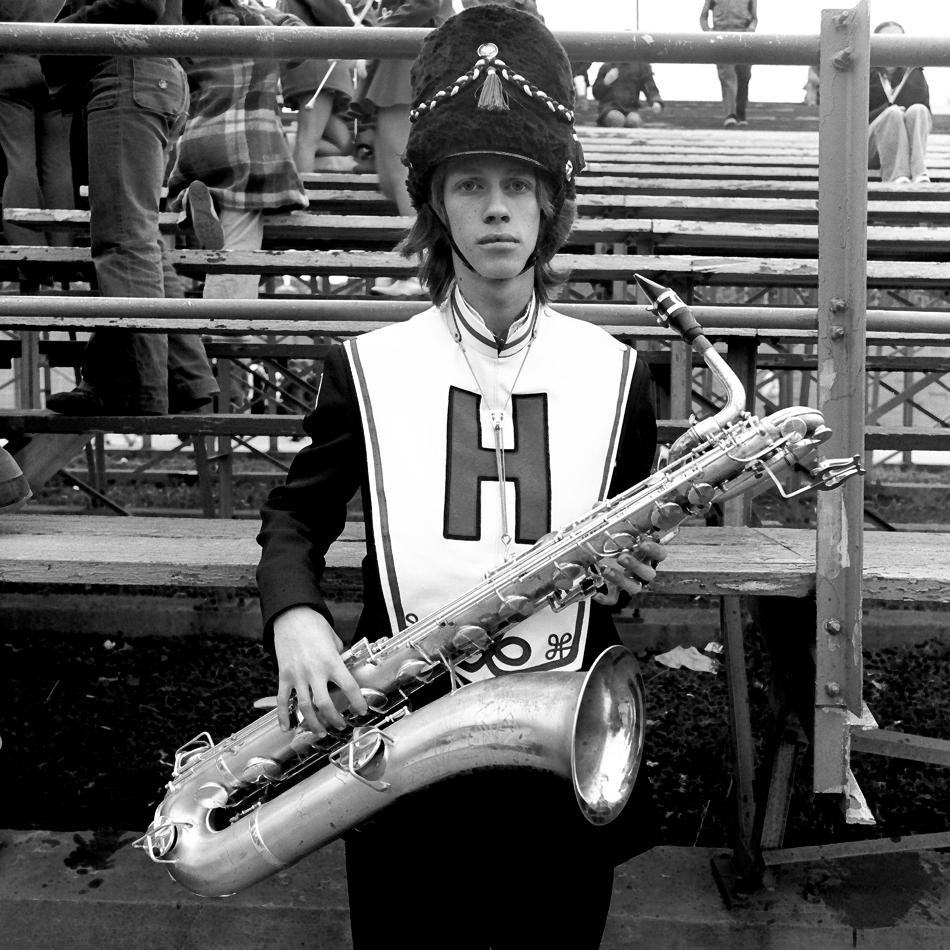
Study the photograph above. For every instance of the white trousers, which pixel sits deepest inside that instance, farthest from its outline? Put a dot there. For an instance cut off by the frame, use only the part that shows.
(897, 142)
(243, 231)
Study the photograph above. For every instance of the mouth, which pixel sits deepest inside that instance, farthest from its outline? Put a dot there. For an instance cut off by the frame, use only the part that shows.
(497, 239)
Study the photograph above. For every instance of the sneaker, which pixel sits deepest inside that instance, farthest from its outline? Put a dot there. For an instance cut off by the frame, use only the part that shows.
(743, 122)
(900, 180)
(922, 179)
(381, 285)
(200, 216)
(409, 287)
(730, 121)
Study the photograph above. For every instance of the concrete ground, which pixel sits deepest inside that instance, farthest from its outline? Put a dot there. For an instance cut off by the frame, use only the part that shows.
(72, 891)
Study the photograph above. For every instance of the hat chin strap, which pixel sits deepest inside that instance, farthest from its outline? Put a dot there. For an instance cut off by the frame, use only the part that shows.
(529, 263)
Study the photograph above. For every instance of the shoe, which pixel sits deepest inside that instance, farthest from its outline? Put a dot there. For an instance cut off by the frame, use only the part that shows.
(188, 404)
(84, 402)
(409, 287)
(199, 213)
(900, 180)
(730, 121)
(743, 122)
(381, 285)
(922, 179)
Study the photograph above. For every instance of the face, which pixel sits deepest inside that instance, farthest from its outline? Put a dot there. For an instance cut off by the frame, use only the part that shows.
(491, 206)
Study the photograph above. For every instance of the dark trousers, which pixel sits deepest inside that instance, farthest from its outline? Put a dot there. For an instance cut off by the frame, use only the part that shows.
(501, 860)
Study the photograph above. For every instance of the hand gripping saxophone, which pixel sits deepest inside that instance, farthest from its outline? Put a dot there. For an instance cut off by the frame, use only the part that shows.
(237, 811)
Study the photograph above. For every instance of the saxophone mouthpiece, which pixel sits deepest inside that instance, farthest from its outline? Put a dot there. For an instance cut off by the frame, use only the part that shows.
(669, 309)
(664, 300)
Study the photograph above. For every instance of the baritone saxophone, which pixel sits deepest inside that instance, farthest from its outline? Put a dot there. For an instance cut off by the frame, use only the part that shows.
(239, 810)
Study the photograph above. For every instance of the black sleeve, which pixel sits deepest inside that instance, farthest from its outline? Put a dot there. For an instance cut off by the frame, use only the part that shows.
(637, 447)
(304, 516)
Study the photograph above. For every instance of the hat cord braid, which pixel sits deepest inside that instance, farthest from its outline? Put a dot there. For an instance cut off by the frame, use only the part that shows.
(529, 89)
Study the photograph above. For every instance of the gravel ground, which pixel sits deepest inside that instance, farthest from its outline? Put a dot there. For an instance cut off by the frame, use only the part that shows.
(90, 728)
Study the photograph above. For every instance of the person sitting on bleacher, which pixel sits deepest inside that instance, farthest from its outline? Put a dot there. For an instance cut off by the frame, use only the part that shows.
(471, 430)
(900, 117)
(133, 107)
(619, 88)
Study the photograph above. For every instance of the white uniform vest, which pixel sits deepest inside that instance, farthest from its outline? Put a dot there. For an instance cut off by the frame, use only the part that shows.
(432, 464)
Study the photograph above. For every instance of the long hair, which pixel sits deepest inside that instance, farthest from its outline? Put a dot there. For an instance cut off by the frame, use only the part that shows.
(428, 239)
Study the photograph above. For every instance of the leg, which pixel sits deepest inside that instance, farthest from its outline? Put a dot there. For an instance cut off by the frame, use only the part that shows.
(191, 383)
(633, 119)
(55, 165)
(310, 126)
(132, 109)
(337, 138)
(392, 133)
(21, 189)
(743, 75)
(243, 231)
(612, 118)
(729, 85)
(887, 142)
(918, 122)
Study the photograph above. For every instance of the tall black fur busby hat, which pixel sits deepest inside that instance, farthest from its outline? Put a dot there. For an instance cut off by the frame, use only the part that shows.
(493, 79)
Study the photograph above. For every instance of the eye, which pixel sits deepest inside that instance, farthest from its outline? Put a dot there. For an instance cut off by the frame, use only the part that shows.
(521, 186)
(466, 185)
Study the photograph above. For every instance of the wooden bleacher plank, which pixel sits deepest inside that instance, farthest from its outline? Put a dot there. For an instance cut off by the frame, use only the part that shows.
(15, 423)
(307, 229)
(701, 269)
(18, 422)
(93, 551)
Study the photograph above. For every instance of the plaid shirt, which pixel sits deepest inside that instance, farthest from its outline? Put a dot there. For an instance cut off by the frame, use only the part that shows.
(233, 140)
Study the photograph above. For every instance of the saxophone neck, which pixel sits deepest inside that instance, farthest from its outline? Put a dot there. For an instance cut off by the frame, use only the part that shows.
(672, 312)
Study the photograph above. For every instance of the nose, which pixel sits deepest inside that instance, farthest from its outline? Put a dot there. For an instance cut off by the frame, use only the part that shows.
(496, 205)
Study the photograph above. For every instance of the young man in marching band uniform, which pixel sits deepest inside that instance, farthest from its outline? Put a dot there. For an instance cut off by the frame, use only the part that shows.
(471, 430)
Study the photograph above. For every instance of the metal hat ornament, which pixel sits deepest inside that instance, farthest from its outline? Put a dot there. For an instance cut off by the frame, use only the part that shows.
(493, 79)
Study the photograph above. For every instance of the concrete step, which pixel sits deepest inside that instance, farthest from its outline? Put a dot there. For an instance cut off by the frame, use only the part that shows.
(88, 890)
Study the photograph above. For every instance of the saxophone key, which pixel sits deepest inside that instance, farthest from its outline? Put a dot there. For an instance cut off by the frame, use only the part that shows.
(411, 671)
(470, 636)
(515, 606)
(616, 542)
(665, 515)
(260, 769)
(568, 575)
(376, 701)
(700, 496)
(211, 795)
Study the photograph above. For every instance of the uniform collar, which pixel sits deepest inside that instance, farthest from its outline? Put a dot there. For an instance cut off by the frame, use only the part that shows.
(467, 326)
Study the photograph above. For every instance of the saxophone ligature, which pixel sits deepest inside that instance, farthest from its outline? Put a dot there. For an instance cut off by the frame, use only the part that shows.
(239, 810)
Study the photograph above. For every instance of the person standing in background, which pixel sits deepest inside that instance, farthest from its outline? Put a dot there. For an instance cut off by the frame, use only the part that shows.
(900, 120)
(732, 16)
(133, 108)
(34, 133)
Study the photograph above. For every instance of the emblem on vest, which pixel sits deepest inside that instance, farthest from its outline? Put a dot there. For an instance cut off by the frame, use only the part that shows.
(469, 463)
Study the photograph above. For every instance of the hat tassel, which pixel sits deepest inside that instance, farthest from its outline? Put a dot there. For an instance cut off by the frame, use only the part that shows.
(492, 97)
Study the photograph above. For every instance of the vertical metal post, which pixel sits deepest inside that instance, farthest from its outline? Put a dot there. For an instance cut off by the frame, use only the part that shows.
(746, 856)
(842, 324)
(28, 375)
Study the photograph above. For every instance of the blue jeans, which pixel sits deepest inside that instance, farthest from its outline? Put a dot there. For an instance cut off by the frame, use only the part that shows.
(34, 138)
(133, 109)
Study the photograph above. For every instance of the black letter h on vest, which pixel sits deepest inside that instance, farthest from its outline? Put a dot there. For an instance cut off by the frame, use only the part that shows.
(468, 464)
